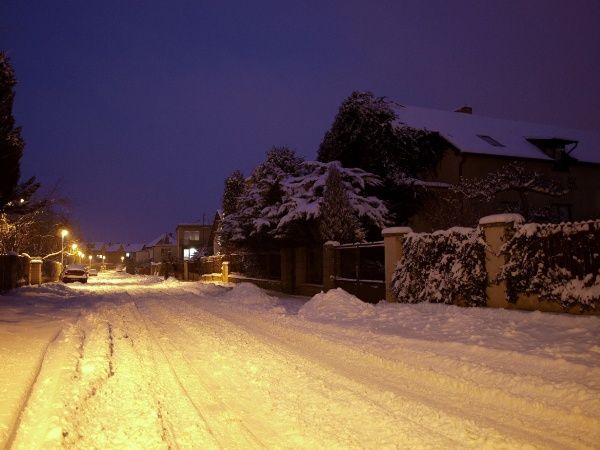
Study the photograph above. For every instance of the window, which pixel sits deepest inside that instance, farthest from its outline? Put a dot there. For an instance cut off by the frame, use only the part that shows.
(188, 253)
(189, 236)
(490, 140)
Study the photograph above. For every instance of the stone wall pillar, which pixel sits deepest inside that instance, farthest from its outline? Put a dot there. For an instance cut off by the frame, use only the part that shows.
(35, 271)
(225, 271)
(392, 242)
(186, 273)
(329, 265)
(497, 229)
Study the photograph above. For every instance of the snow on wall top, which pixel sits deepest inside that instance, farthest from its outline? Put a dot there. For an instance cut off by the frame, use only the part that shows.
(464, 131)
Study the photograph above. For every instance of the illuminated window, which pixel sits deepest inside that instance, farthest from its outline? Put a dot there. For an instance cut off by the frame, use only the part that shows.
(188, 253)
(191, 235)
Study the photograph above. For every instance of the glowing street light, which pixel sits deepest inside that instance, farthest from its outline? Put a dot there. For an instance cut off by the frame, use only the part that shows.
(90, 258)
(63, 233)
(122, 258)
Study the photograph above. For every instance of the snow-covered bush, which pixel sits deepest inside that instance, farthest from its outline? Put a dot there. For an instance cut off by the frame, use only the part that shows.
(560, 262)
(442, 267)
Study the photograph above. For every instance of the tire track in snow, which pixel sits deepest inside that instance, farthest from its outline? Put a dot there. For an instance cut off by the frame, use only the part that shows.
(228, 431)
(26, 399)
(498, 409)
(333, 389)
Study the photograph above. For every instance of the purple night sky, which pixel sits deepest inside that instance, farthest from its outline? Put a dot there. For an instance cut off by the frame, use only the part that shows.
(139, 110)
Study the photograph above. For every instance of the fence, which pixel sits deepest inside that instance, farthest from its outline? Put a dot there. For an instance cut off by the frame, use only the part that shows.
(14, 271)
(360, 270)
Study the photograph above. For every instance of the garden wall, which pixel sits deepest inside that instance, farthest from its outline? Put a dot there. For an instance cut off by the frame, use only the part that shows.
(502, 263)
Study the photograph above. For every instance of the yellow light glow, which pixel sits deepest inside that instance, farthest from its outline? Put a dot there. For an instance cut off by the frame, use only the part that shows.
(64, 233)
(73, 246)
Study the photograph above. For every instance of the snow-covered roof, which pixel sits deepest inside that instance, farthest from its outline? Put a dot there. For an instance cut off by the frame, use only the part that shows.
(132, 248)
(113, 247)
(163, 239)
(470, 133)
(93, 246)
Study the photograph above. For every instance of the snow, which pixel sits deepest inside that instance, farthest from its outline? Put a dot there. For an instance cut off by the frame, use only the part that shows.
(396, 230)
(139, 362)
(501, 218)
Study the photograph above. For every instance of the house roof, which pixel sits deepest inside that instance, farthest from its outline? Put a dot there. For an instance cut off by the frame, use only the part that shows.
(163, 239)
(113, 247)
(470, 133)
(94, 246)
(132, 248)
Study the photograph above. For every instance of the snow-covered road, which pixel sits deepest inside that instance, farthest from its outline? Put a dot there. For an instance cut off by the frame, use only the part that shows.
(136, 362)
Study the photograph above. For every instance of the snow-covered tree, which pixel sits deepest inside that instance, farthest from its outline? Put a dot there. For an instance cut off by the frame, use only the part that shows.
(263, 189)
(282, 201)
(338, 221)
(305, 193)
(512, 177)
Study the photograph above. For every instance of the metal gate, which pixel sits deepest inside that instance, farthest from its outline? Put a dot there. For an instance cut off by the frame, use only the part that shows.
(360, 270)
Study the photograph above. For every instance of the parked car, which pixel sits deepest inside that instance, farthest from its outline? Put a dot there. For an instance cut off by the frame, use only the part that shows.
(92, 272)
(74, 272)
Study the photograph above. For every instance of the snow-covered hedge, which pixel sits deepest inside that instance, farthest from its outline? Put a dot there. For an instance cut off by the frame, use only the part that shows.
(560, 262)
(442, 267)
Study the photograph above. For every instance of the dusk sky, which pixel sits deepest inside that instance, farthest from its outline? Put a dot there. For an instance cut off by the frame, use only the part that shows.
(139, 110)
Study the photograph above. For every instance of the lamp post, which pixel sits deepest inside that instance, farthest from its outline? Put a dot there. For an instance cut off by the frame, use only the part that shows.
(73, 248)
(90, 258)
(63, 233)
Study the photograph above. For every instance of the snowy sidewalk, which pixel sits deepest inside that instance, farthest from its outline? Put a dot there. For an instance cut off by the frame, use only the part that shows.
(138, 362)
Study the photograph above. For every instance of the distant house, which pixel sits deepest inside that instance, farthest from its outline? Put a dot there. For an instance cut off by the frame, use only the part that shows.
(479, 145)
(96, 250)
(114, 252)
(161, 248)
(193, 238)
(135, 252)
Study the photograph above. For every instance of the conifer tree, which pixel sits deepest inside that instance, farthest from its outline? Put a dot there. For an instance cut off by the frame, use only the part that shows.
(11, 143)
(234, 187)
(338, 221)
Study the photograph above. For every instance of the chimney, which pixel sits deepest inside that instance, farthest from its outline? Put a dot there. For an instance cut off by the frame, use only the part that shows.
(465, 110)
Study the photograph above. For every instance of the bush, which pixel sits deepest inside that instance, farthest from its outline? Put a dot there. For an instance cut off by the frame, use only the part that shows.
(442, 267)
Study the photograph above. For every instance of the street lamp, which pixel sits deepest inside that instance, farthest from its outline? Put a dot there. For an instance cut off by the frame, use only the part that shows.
(63, 233)
(90, 258)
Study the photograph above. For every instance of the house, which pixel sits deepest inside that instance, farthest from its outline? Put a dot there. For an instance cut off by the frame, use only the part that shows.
(193, 238)
(161, 248)
(115, 253)
(477, 145)
(135, 252)
(96, 251)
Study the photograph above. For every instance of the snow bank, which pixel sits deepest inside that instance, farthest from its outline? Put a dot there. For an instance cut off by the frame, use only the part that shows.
(46, 290)
(249, 294)
(335, 304)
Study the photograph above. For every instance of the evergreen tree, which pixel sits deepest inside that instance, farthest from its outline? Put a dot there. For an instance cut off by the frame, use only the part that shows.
(234, 187)
(366, 134)
(338, 221)
(11, 143)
